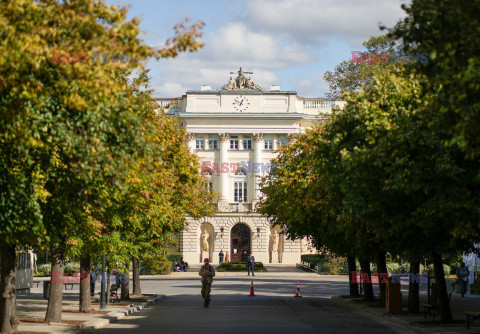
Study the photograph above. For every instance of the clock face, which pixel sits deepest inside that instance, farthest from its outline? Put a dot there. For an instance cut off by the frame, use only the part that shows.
(241, 103)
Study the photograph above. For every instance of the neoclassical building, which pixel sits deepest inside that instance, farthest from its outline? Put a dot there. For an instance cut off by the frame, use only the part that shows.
(236, 131)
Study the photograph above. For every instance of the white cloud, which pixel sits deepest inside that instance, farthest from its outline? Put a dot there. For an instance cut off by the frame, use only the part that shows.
(314, 21)
(232, 46)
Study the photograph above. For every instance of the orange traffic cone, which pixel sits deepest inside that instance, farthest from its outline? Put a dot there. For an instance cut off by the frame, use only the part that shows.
(251, 290)
(298, 290)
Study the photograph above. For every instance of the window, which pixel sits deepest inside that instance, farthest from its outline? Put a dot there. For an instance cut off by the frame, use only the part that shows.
(199, 143)
(208, 186)
(213, 142)
(281, 140)
(247, 142)
(240, 192)
(241, 172)
(234, 142)
(268, 141)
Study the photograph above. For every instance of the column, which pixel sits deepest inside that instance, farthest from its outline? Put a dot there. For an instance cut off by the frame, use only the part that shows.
(224, 143)
(257, 164)
(191, 141)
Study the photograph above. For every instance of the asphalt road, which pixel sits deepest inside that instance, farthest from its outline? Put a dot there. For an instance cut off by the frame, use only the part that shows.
(272, 310)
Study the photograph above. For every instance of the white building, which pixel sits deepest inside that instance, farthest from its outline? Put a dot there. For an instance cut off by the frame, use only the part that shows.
(236, 131)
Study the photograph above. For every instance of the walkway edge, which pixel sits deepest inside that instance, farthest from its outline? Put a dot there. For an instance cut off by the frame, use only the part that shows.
(111, 318)
(385, 318)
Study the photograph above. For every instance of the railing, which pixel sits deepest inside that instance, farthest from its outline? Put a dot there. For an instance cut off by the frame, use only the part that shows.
(165, 102)
(317, 103)
(236, 207)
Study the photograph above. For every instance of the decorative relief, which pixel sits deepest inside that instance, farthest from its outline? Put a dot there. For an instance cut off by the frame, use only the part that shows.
(224, 137)
(258, 137)
(190, 136)
(240, 82)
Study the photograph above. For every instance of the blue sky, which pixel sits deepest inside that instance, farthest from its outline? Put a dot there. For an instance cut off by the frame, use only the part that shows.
(291, 43)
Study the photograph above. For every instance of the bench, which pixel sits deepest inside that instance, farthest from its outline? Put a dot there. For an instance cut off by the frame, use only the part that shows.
(71, 280)
(306, 266)
(432, 308)
(471, 316)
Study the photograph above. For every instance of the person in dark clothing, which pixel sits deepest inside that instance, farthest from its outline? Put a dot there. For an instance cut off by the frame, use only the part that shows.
(251, 264)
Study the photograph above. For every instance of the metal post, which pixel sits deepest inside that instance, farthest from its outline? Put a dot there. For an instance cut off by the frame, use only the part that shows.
(102, 291)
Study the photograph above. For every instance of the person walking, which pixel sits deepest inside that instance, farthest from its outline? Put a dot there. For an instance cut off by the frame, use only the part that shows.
(207, 272)
(220, 256)
(251, 264)
(93, 279)
(462, 278)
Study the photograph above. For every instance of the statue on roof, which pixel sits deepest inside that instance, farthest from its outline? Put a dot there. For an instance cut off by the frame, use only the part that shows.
(240, 83)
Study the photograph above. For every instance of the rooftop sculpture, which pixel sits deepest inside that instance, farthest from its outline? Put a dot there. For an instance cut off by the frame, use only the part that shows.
(240, 82)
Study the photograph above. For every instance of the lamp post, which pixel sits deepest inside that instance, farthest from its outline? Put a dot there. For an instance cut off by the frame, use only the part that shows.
(102, 290)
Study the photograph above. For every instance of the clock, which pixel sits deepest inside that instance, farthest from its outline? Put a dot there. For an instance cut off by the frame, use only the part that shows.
(241, 103)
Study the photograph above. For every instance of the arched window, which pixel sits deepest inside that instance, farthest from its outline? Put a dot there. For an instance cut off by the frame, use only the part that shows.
(241, 172)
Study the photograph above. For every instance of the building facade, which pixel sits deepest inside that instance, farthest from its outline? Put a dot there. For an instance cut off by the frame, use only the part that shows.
(236, 131)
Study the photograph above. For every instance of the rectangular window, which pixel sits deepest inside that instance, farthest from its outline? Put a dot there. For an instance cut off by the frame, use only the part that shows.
(199, 143)
(247, 142)
(213, 142)
(281, 140)
(208, 186)
(234, 142)
(268, 141)
(240, 192)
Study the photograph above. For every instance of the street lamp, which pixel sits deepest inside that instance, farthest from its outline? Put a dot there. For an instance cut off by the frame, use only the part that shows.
(102, 290)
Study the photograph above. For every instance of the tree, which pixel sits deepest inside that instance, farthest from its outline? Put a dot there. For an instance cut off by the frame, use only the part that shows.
(75, 113)
(448, 31)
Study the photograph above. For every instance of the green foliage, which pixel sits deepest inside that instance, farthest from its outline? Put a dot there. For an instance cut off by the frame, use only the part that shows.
(240, 266)
(45, 269)
(313, 258)
(71, 267)
(475, 287)
(448, 31)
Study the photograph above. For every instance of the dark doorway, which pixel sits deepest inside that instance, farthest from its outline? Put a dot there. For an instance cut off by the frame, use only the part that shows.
(240, 241)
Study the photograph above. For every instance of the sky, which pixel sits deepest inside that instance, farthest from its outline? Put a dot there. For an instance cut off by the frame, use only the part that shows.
(290, 43)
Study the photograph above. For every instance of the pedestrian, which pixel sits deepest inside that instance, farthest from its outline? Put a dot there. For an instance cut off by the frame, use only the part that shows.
(462, 278)
(220, 255)
(207, 272)
(93, 279)
(251, 263)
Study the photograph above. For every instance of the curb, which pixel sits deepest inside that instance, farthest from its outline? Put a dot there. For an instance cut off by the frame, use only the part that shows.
(114, 317)
(383, 318)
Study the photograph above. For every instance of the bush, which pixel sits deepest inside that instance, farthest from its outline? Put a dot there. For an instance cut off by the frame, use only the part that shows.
(44, 269)
(70, 267)
(313, 258)
(240, 266)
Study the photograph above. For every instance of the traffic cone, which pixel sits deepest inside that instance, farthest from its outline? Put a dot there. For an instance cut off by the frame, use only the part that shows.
(251, 290)
(298, 290)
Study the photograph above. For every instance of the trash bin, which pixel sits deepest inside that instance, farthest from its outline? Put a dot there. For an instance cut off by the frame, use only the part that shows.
(46, 289)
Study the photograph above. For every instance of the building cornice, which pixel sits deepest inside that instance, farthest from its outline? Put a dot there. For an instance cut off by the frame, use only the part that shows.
(243, 115)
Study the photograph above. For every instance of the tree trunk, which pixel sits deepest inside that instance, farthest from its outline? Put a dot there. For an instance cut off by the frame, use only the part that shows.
(441, 286)
(352, 266)
(109, 283)
(54, 308)
(367, 284)
(413, 288)
(125, 291)
(85, 299)
(8, 301)
(137, 291)
(382, 268)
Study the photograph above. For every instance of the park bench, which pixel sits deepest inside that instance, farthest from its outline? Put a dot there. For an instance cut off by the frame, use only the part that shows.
(432, 308)
(471, 316)
(71, 280)
(306, 266)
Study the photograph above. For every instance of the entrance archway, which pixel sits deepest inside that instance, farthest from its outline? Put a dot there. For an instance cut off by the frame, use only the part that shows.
(240, 243)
